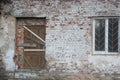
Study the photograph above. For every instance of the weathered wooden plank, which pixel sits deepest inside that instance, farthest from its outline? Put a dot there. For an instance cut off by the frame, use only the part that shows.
(34, 49)
(35, 40)
(27, 61)
(34, 34)
(27, 45)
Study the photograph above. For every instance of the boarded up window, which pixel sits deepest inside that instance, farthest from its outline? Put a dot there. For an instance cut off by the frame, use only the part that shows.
(30, 43)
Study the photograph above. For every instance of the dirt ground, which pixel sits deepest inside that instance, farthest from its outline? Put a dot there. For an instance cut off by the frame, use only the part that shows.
(81, 76)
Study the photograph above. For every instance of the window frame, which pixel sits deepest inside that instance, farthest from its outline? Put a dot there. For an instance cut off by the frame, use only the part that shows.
(106, 36)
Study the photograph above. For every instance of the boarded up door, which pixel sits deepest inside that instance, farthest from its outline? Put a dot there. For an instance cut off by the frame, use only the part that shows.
(34, 53)
(30, 50)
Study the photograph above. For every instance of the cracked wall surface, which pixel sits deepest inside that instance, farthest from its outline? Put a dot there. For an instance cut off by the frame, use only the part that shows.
(68, 33)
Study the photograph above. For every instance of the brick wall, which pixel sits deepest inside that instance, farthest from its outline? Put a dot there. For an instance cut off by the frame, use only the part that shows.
(69, 32)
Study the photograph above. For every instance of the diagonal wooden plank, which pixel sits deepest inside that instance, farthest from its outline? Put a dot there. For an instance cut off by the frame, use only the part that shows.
(28, 62)
(34, 34)
(35, 40)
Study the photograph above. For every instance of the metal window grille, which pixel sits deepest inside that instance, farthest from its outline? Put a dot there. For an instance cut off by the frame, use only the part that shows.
(106, 34)
(100, 35)
(113, 35)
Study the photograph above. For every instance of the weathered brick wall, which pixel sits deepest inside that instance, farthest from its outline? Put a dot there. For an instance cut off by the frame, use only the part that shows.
(69, 32)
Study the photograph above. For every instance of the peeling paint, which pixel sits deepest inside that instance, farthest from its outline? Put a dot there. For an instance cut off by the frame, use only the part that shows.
(8, 59)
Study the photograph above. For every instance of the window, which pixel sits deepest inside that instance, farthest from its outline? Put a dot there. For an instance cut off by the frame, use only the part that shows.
(105, 35)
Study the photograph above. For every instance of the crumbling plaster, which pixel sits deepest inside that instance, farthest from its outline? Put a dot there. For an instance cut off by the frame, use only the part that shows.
(68, 33)
(7, 44)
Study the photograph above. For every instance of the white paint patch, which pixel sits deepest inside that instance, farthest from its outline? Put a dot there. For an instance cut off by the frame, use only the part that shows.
(3, 31)
(8, 41)
(2, 42)
(8, 60)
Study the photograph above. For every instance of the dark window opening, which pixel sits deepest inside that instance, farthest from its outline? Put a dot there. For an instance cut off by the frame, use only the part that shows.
(100, 35)
(113, 35)
(106, 34)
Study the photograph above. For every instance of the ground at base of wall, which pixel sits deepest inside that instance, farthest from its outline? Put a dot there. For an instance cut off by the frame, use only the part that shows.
(80, 76)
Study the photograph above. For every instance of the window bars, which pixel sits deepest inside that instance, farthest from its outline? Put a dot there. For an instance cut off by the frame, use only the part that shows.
(106, 34)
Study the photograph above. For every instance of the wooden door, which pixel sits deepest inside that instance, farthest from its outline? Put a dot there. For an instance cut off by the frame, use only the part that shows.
(34, 53)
